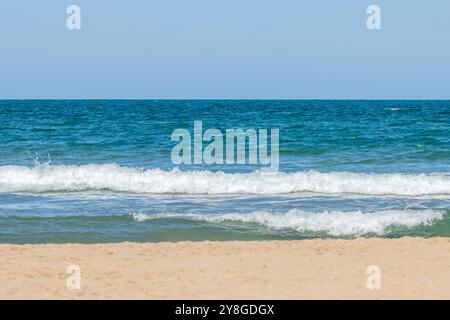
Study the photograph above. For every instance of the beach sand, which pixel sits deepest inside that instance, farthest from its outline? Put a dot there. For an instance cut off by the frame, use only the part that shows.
(411, 268)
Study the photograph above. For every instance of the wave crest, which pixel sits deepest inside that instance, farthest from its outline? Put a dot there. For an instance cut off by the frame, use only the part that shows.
(336, 223)
(112, 177)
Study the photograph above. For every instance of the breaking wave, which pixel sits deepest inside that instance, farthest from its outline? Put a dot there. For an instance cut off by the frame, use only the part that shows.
(336, 223)
(112, 177)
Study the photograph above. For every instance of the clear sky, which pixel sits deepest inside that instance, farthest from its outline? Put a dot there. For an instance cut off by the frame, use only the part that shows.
(225, 49)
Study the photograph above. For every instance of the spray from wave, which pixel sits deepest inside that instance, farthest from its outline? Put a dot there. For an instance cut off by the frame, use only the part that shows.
(112, 177)
(336, 223)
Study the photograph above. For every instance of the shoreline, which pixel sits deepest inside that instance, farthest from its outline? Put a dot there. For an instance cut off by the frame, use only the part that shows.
(411, 268)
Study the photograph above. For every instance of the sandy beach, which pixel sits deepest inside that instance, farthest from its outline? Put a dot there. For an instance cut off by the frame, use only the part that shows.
(411, 268)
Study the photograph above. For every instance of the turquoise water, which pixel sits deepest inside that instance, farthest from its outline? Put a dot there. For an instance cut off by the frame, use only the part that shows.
(101, 171)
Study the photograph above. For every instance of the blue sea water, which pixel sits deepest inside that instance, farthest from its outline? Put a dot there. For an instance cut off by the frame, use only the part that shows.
(101, 171)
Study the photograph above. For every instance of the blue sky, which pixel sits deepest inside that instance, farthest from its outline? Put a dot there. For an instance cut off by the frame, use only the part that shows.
(225, 49)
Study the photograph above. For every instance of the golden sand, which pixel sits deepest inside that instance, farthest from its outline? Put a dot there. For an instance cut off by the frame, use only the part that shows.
(411, 268)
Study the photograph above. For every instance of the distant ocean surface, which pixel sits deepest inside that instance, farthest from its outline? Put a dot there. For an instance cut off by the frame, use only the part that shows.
(100, 171)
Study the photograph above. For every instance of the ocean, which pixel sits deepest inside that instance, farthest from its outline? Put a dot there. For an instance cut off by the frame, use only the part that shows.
(94, 171)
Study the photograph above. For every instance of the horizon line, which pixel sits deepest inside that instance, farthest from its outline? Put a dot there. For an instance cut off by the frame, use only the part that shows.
(230, 99)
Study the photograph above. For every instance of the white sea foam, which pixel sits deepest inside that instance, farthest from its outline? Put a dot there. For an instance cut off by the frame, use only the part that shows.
(112, 177)
(336, 223)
